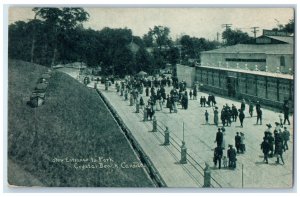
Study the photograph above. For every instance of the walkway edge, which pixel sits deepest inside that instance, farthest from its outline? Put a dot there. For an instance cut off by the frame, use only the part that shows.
(152, 171)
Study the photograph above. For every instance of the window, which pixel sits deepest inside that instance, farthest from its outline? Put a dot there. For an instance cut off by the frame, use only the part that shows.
(244, 60)
(282, 61)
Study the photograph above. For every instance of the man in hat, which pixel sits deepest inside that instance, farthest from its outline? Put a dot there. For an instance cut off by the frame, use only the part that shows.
(219, 137)
(242, 145)
(286, 111)
(286, 138)
(265, 147)
(218, 154)
(237, 140)
(231, 154)
(251, 106)
(259, 116)
(279, 152)
(241, 117)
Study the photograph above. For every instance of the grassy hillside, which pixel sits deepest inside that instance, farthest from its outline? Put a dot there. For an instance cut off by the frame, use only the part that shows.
(72, 123)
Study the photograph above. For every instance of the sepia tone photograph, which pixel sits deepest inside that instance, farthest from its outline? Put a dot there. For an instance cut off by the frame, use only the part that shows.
(171, 97)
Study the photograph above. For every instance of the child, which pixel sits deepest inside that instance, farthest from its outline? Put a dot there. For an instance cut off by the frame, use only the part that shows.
(206, 116)
(225, 161)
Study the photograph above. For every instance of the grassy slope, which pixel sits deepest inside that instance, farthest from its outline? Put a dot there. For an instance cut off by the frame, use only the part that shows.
(72, 123)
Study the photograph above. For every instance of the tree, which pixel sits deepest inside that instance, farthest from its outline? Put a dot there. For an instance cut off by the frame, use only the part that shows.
(144, 60)
(60, 21)
(159, 36)
(289, 27)
(233, 37)
(192, 46)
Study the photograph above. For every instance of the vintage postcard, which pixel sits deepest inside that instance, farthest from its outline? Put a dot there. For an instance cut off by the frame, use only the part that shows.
(151, 97)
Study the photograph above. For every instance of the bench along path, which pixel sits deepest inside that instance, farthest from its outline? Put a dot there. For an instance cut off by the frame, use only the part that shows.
(251, 172)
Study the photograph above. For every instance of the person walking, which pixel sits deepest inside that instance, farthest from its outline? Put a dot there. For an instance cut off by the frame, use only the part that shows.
(286, 138)
(142, 103)
(191, 94)
(271, 144)
(225, 161)
(259, 116)
(147, 91)
(234, 112)
(237, 141)
(265, 147)
(243, 105)
(242, 144)
(251, 107)
(224, 139)
(195, 93)
(216, 116)
(169, 103)
(231, 154)
(279, 152)
(286, 112)
(241, 116)
(219, 137)
(218, 154)
(206, 116)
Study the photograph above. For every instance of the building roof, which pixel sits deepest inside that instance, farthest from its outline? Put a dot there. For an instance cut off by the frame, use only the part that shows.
(255, 48)
(275, 45)
(261, 73)
(286, 39)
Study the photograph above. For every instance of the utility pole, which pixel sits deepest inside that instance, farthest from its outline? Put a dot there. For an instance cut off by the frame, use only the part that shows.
(255, 29)
(218, 34)
(227, 26)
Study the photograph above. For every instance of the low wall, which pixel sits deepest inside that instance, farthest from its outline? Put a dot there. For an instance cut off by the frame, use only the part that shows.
(186, 73)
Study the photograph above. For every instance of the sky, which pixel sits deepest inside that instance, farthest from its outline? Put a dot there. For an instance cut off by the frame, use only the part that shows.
(197, 22)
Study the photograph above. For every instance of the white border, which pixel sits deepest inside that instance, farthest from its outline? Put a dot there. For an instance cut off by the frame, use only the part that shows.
(118, 3)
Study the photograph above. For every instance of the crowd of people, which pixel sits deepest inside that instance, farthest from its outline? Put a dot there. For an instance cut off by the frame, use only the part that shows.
(158, 98)
(275, 144)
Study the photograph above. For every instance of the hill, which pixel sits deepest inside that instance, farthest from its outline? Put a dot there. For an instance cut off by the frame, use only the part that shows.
(55, 143)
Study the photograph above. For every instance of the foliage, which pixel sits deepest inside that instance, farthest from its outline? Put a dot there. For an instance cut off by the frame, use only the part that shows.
(289, 27)
(233, 37)
(159, 36)
(191, 47)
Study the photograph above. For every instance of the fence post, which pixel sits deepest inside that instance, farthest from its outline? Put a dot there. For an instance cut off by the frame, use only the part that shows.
(137, 106)
(131, 100)
(207, 175)
(167, 136)
(183, 153)
(145, 114)
(154, 124)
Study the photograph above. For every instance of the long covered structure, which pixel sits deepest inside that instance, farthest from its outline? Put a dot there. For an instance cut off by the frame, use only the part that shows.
(260, 69)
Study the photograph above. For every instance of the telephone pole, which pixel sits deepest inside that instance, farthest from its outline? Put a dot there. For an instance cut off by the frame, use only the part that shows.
(227, 26)
(255, 29)
(218, 34)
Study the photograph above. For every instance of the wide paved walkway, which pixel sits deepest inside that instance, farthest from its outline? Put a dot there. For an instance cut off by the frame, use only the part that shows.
(251, 172)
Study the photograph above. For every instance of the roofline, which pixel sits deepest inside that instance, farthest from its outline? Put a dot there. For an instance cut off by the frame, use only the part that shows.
(210, 52)
(261, 73)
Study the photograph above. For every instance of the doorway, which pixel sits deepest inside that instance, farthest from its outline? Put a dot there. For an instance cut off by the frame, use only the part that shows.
(231, 86)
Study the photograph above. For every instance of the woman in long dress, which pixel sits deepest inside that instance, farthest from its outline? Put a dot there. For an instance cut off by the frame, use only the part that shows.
(224, 140)
(216, 116)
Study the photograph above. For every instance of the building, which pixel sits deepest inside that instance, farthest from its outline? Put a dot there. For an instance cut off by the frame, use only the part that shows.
(273, 53)
(260, 69)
